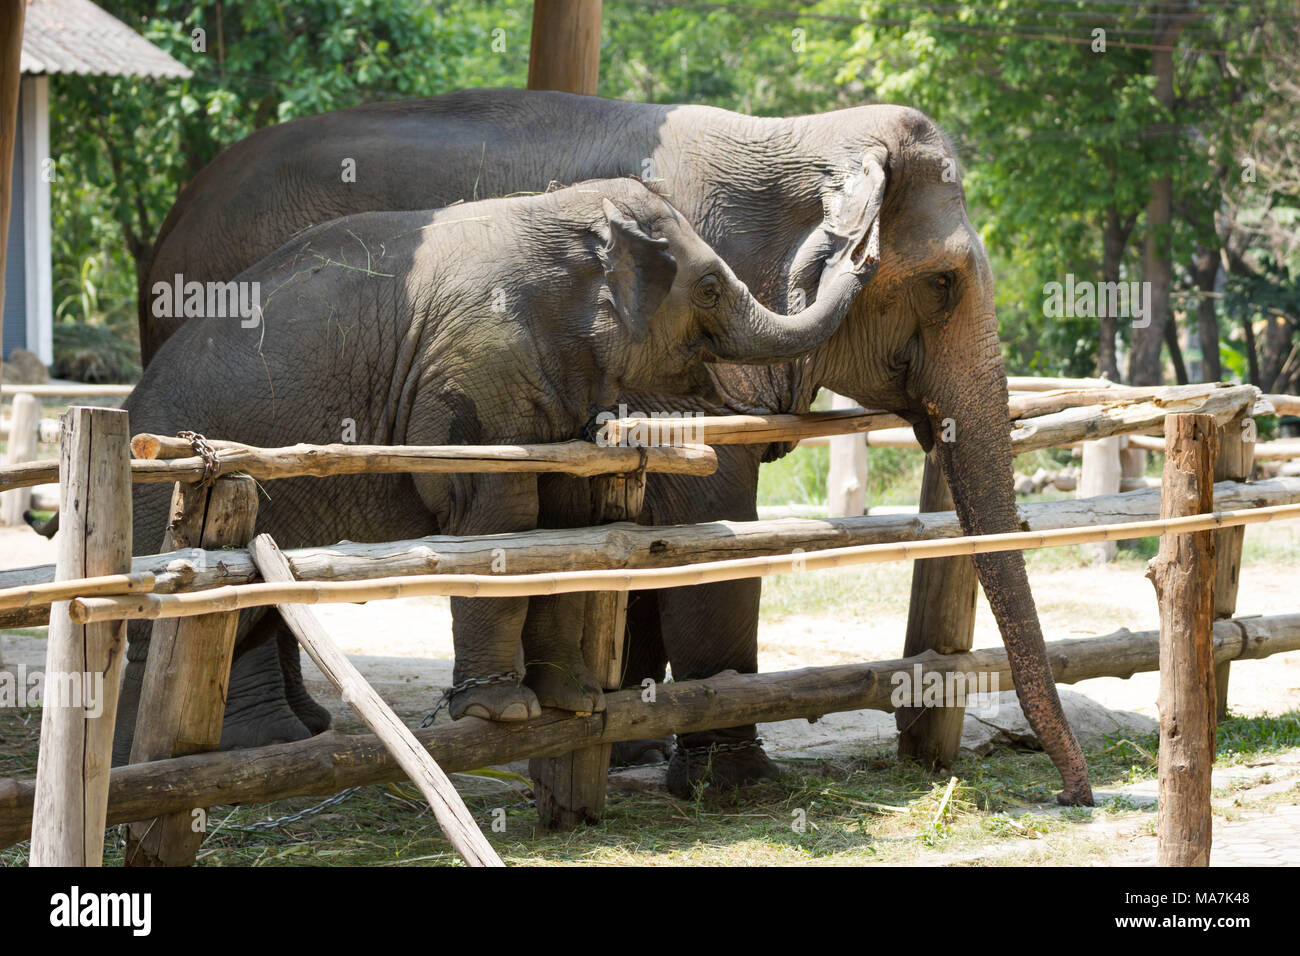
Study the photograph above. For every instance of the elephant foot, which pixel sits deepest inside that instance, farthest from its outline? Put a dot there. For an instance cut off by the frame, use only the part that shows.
(257, 709)
(498, 701)
(635, 753)
(723, 759)
(315, 717)
(566, 687)
(1079, 795)
(261, 726)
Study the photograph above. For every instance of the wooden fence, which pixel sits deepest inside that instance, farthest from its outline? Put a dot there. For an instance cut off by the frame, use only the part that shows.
(196, 590)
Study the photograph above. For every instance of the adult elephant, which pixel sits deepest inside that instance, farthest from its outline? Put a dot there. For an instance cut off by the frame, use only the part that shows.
(773, 197)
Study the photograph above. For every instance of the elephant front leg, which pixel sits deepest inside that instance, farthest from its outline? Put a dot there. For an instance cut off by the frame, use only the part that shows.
(486, 681)
(488, 677)
(557, 671)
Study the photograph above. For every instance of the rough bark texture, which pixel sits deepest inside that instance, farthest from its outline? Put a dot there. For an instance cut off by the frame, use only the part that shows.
(72, 771)
(1233, 463)
(183, 694)
(940, 618)
(1183, 575)
(1205, 271)
(624, 545)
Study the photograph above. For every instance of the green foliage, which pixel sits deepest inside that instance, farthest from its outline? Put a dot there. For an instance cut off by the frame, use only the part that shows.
(88, 352)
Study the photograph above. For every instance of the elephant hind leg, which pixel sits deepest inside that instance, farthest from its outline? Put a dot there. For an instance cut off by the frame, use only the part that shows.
(708, 629)
(257, 707)
(315, 717)
(643, 658)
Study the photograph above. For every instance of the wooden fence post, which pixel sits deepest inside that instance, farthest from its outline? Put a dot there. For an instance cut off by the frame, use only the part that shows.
(1183, 574)
(1101, 475)
(570, 790)
(187, 673)
(83, 662)
(1233, 463)
(564, 50)
(846, 484)
(23, 424)
(941, 618)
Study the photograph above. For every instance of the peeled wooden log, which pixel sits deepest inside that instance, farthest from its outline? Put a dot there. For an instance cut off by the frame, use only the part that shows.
(626, 545)
(746, 429)
(573, 458)
(1046, 403)
(242, 596)
(67, 390)
(47, 430)
(1284, 404)
(332, 761)
(145, 445)
(1091, 422)
(45, 594)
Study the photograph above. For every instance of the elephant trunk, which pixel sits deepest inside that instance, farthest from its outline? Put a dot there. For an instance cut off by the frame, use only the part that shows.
(763, 336)
(977, 462)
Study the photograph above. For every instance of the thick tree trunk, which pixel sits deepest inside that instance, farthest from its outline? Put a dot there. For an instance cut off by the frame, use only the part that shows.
(1145, 367)
(1183, 575)
(1114, 237)
(1205, 270)
(1176, 351)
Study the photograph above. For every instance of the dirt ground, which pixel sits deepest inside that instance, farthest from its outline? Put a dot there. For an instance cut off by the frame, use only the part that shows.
(404, 647)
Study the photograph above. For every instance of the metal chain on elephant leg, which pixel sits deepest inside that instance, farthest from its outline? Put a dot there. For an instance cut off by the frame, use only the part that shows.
(705, 750)
(510, 677)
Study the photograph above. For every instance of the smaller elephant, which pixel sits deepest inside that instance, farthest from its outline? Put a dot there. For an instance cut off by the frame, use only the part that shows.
(500, 321)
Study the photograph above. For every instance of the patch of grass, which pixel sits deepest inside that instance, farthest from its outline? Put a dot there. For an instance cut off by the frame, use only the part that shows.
(1246, 739)
(798, 478)
(850, 594)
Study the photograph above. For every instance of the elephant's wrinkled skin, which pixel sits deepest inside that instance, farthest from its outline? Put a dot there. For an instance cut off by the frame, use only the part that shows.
(497, 322)
(920, 341)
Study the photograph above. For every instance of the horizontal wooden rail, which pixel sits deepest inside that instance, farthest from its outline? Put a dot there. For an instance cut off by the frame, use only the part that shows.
(332, 761)
(45, 594)
(624, 545)
(1039, 421)
(68, 390)
(239, 597)
(573, 458)
(47, 430)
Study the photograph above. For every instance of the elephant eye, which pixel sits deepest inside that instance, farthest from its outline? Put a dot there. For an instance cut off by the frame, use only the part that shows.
(944, 284)
(707, 291)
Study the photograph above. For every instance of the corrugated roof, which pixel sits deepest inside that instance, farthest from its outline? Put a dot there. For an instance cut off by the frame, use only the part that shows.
(75, 36)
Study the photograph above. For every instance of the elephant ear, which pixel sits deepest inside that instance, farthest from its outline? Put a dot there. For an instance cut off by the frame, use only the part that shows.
(854, 222)
(639, 270)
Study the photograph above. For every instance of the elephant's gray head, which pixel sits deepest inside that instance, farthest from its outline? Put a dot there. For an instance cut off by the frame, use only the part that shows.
(679, 305)
(922, 340)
